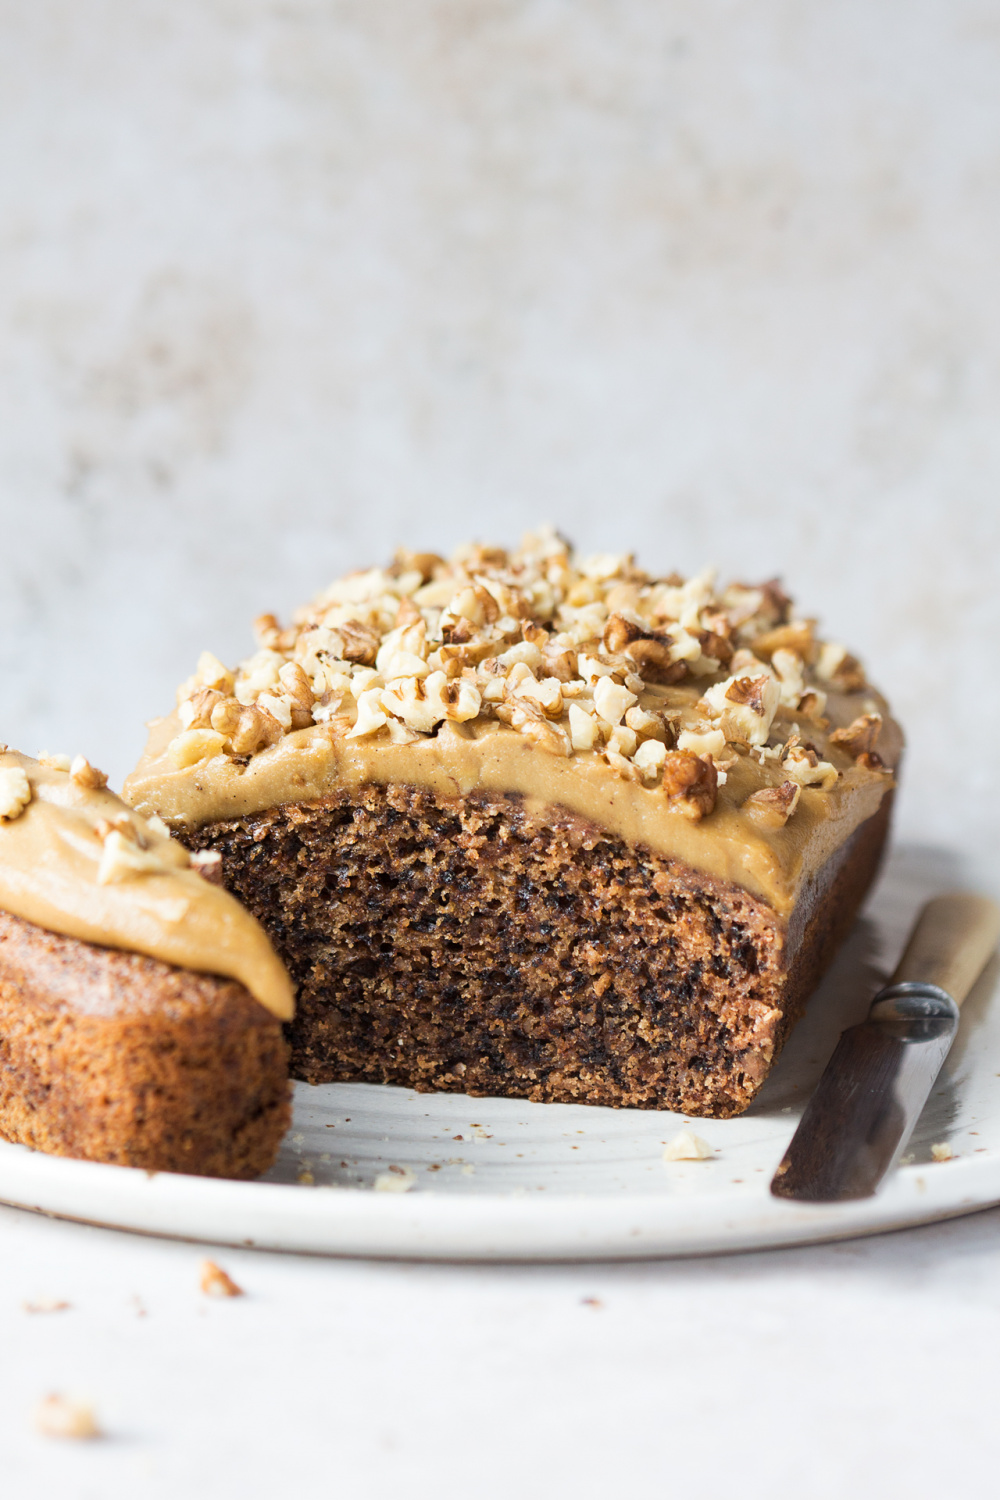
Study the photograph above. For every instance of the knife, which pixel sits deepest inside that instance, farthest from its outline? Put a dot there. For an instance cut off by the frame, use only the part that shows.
(881, 1072)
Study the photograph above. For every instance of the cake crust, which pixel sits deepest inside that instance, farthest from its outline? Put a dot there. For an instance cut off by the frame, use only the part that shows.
(488, 945)
(117, 1057)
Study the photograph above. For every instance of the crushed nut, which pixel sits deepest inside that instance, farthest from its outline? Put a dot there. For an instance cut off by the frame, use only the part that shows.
(208, 864)
(686, 1146)
(860, 737)
(15, 793)
(576, 654)
(87, 776)
(194, 745)
(772, 806)
(584, 730)
(63, 1417)
(745, 707)
(122, 858)
(689, 784)
(215, 1282)
(54, 762)
(711, 742)
(941, 1151)
(396, 1180)
(802, 764)
(649, 758)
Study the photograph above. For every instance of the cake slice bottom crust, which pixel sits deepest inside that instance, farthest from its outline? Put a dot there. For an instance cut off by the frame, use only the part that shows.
(114, 1057)
(485, 946)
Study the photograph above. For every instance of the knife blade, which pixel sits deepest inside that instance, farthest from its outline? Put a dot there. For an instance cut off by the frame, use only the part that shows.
(876, 1083)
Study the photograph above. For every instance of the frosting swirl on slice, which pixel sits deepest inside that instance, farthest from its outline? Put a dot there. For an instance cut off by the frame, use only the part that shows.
(76, 860)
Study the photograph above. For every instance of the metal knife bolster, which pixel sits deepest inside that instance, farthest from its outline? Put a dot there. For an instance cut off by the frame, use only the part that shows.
(900, 1008)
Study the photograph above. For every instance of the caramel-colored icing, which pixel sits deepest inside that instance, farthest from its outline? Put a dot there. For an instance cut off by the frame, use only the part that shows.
(488, 756)
(50, 856)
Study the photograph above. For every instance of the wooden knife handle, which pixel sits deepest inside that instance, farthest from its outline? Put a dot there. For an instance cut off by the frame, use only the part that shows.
(951, 943)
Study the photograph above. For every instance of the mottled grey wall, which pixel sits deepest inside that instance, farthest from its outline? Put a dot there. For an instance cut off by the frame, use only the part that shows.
(284, 281)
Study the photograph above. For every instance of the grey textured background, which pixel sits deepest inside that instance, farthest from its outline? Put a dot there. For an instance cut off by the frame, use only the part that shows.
(283, 282)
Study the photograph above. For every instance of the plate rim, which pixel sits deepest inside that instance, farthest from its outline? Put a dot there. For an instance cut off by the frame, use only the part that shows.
(492, 1227)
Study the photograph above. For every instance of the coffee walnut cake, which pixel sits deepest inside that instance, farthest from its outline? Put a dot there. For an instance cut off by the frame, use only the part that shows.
(522, 823)
(140, 1006)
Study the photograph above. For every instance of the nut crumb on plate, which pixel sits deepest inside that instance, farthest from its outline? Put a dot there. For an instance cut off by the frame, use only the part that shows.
(64, 1417)
(215, 1282)
(686, 1146)
(396, 1180)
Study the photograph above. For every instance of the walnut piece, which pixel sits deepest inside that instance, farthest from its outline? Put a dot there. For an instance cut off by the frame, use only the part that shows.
(801, 763)
(772, 806)
(215, 1282)
(64, 1417)
(860, 737)
(15, 793)
(54, 761)
(86, 776)
(744, 706)
(208, 864)
(122, 858)
(194, 745)
(686, 1146)
(396, 1180)
(689, 784)
(574, 653)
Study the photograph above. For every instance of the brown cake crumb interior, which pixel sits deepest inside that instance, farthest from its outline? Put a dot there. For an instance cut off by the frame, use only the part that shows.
(484, 946)
(116, 1057)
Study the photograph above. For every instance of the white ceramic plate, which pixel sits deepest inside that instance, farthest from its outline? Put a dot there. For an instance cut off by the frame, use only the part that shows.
(492, 1179)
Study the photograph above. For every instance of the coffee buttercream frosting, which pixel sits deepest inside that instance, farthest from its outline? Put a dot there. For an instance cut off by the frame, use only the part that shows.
(75, 859)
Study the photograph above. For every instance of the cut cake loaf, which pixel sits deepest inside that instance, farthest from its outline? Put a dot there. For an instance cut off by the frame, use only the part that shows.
(524, 824)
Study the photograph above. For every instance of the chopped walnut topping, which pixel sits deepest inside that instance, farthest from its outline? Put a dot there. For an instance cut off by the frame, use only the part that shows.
(836, 666)
(745, 707)
(584, 729)
(53, 761)
(689, 784)
(579, 655)
(860, 737)
(802, 764)
(15, 793)
(772, 806)
(194, 745)
(650, 758)
(711, 742)
(87, 776)
(797, 637)
(209, 673)
(122, 858)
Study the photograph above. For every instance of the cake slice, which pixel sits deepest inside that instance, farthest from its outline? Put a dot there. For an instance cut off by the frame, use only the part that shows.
(521, 823)
(141, 1006)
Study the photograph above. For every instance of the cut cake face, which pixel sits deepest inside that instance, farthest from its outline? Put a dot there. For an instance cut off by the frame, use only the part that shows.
(521, 823)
